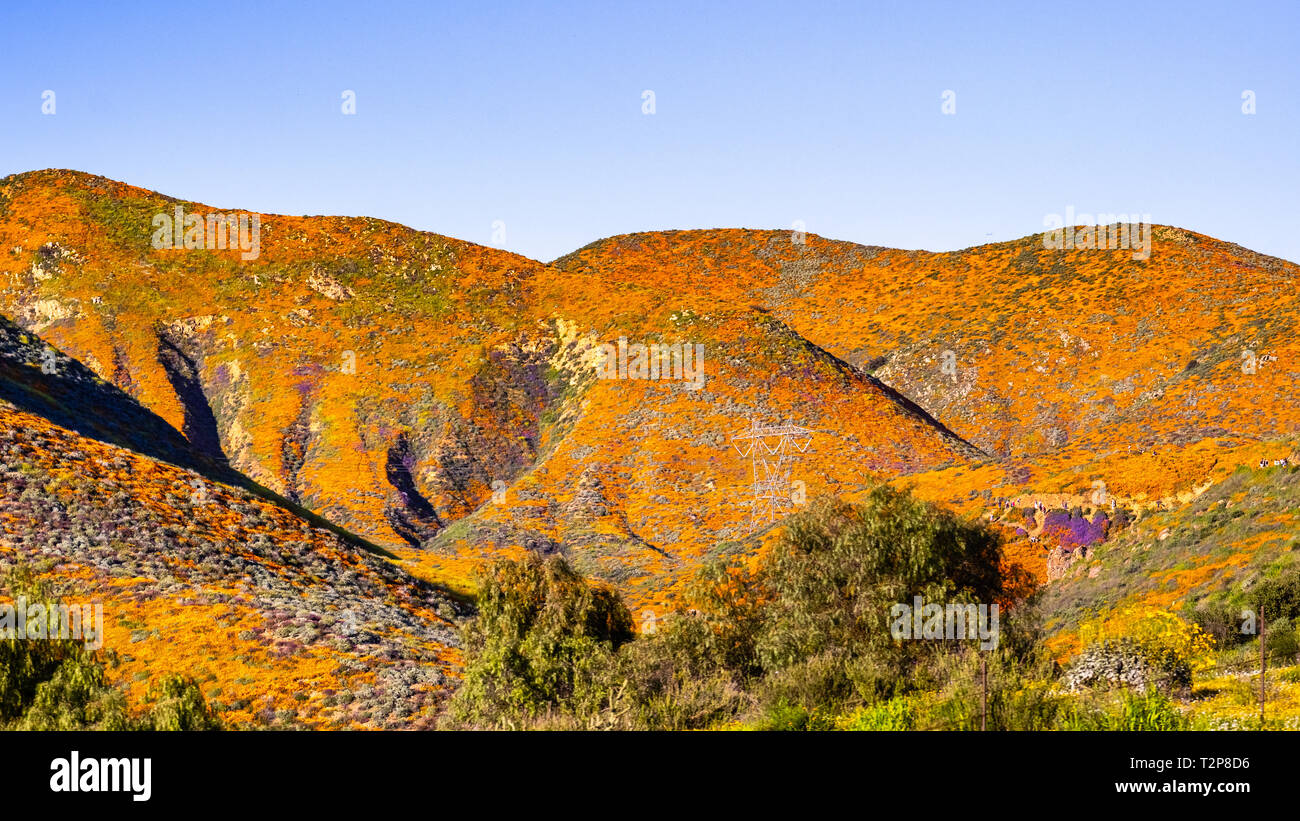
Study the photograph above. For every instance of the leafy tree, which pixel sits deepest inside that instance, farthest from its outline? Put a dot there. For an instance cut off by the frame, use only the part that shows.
(543, 640)
(835, 577)
(53, 684)
(178, 704)
(787, 642)
(682, 677)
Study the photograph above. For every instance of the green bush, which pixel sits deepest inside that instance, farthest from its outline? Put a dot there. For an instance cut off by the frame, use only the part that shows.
(786, 717)
(895, 714)
(1281, 641)
(1220, 620)
(1020, 694)
(53, 684)
(1279, 596)
(178, 704)
(543, 642)
(678, 678)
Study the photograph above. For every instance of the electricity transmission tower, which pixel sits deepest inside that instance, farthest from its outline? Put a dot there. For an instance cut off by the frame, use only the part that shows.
(772, 450)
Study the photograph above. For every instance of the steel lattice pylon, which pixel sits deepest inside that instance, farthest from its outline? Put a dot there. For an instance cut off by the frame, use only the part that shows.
(771, 449)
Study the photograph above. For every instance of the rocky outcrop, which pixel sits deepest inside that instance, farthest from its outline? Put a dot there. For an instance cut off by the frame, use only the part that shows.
(1061, 559)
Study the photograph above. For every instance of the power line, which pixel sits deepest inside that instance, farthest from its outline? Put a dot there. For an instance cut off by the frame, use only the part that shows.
(772, 450)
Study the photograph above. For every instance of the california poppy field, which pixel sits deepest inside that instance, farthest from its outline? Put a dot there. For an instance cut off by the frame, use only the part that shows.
(531, 388)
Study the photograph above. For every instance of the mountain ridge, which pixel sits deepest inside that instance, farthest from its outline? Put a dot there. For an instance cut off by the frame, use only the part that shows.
(402, 383)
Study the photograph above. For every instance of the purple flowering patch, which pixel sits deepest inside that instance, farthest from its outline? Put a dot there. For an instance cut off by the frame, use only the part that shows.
(1075, 531)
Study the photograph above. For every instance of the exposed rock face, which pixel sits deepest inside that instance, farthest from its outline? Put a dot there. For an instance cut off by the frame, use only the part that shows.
(44, 312)
(1061, 559)
(329, 287)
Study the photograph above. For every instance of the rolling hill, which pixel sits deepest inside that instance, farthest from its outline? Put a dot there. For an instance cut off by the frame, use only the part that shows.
(1067, 367)
(449, 401)
(396, 382)
(281, 618)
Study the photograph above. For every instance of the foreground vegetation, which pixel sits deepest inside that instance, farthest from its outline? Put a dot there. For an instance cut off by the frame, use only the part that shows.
(802, 641)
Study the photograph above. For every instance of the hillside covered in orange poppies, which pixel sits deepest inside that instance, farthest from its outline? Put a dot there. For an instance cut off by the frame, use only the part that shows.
(448, 403)
(279, 617)
(397, 382)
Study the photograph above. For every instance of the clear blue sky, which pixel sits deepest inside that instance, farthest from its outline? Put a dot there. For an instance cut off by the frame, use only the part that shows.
(828, 113)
